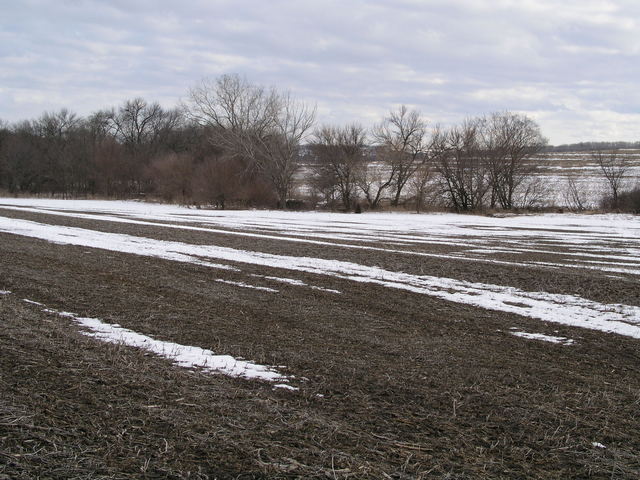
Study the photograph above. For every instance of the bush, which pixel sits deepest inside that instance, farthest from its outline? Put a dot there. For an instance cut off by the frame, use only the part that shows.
(296, 205)
(629, 201)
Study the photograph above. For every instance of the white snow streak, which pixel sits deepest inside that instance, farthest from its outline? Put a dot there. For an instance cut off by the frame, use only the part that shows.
(296, 282)
(543, 337)
(289, 281)
(322, 289)
(182, 355)
(246, 285)
(286, 387)
(26, 300)
(565, 309)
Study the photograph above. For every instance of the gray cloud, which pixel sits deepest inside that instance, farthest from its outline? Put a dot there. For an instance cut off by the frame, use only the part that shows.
(572, 65)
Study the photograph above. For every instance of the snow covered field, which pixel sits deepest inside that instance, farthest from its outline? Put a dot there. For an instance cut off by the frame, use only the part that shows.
(549, 184)
(607, 243)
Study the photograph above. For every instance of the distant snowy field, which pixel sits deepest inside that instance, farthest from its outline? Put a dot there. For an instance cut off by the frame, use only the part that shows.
(554, 173)
(557, 169)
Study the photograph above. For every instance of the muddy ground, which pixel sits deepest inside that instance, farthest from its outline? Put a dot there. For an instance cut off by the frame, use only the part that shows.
(392, 384)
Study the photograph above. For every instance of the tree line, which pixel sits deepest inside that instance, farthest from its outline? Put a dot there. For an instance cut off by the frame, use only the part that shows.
(233, 143)
(592, 146)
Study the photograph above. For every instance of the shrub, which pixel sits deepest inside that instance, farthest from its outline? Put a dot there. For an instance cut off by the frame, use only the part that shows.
(629, 201)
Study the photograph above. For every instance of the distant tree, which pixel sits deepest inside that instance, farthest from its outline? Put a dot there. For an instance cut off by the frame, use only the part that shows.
(143, 129)
(323, 191)
(419, 184)
(46, 155)
(4, 135)
(535, 192)
(216, 181)
(60, 153)
(278, 152)
(574, 196)
(98, 125)
(140, 125)
(112, 165)
(375, 177)
(509, 142)
(461, 165)
(591, 146)
(613, 167)
(22, 159)
(339, 154)
(171, 175)
(629, 201)
(402, 134)
(223, 181)
(265, 126)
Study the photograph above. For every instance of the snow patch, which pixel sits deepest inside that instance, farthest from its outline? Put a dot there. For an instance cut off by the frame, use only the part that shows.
(328, 290)
(290, 281)
(183, 355)
(284, 386)
(298, 283)
(26, 300)
(543, 337)
(246, 285)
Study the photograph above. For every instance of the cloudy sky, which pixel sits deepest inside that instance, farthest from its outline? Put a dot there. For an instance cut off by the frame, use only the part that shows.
(573, 66)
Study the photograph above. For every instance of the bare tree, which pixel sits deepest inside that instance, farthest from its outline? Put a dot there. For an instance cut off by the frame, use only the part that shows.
(113, 168)
(374, 177)
(613, 167)
(141, 126)
(277, 152)
(131, 123)
(143, 129)
(262, 125)
(574, 196)
(339, 154)
(509, 142)
(323, 188)
(22, 162)
(4, 136)
(57, 125)
(172, 175)
(534, 192)
(461, 165)
(419, 184)
(402, 134)
(46, 155)
(232, 104)
(61, 151)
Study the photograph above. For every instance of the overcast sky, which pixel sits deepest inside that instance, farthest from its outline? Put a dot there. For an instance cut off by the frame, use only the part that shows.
(573, 66)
